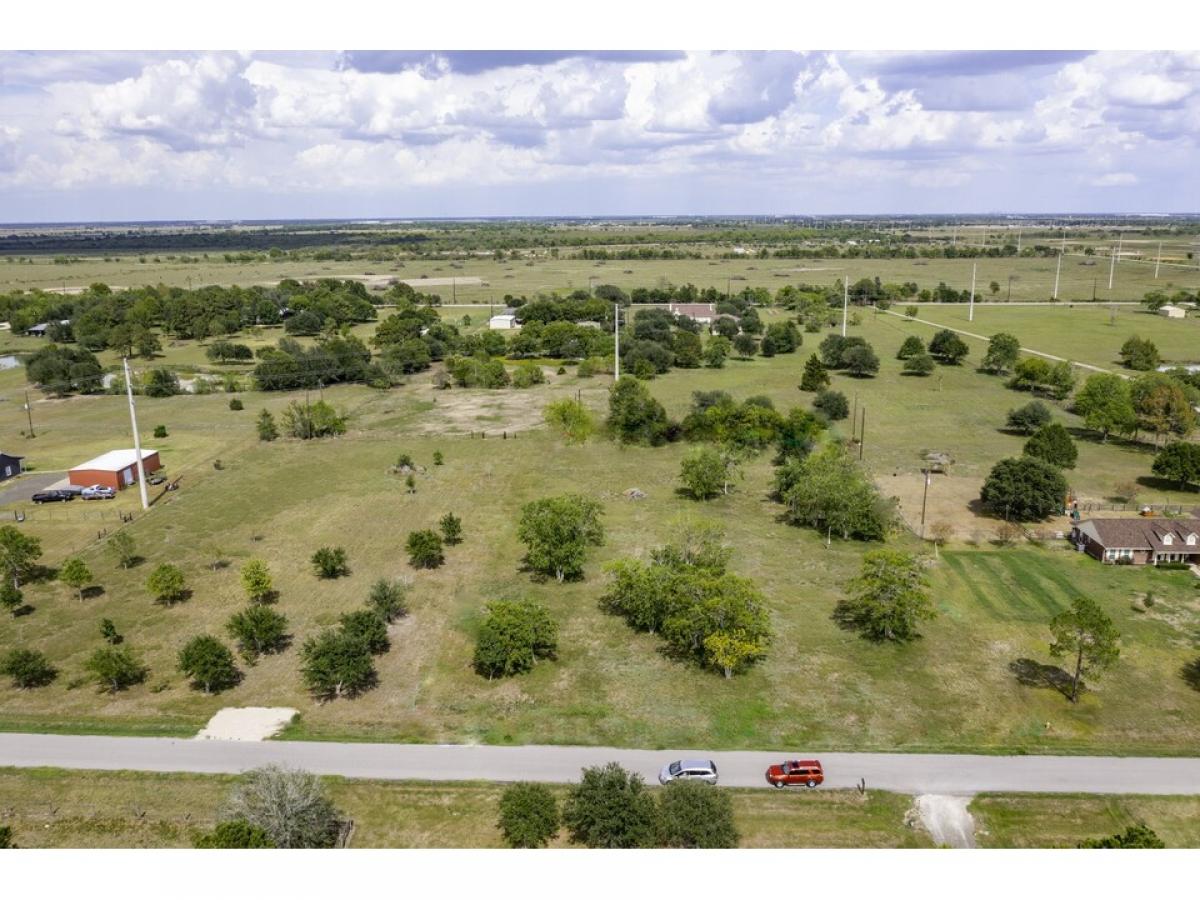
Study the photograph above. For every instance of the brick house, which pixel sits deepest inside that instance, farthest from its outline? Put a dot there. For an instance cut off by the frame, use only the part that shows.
(1139, 542)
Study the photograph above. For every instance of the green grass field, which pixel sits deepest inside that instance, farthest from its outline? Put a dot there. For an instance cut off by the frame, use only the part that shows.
(1032, 278)
(954, 689)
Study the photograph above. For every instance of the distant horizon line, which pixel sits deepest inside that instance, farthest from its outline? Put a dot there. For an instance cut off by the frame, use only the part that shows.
(633, 217)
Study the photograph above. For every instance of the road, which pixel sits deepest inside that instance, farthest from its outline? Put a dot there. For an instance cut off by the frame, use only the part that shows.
(901, 772)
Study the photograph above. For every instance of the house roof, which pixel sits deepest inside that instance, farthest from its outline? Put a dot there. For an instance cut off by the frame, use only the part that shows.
(1139, 534)
(694, 310)
(11, 455)
(115, 460)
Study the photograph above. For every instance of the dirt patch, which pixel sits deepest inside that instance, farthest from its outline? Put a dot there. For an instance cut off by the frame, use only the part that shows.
(248, 723)
(947, 819)
(948, 502)
(496, 412)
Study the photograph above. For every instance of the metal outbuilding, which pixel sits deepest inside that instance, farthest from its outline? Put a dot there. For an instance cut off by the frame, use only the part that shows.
(116, 469)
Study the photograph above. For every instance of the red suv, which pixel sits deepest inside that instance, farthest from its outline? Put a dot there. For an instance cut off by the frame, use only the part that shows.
(796, 772)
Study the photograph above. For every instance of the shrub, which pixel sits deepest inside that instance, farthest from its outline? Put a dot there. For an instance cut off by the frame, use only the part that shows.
(424, 549)
(236, 834)
(528, 815)
(256, 581)
(160, 431)
(27, 668)
(833, 404)
(557, 531)
(312, 420)
(167, 585)
(918, 364)
(912, 345)
(236, 405)
(1135, 837)
(571, 419)
(267, 431)
(288, 805)
(1030, 417)
(116, 668)
(367, 627)
(258, 629)
(947, 347)
(692, 814)
(209, 664)
(634, 416)
(513, 636)
(610, 808)
(330, 562)
(451, 528)
(438, 459)
(703, 474)
(1053, 444)
(527, 375)
(388, 599)
(815, 377)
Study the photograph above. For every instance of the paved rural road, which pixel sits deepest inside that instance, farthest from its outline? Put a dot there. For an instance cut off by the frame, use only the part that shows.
(906, 773)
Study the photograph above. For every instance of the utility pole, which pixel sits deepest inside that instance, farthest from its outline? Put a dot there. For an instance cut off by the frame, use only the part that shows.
(137, 441)
(1158, 261)
(862, 434)
(1018, 242)
(1057, 272)
(617, 341)
(453, 290)
(845, 301)
(29, 414)
(971, 307)
(1112, 265)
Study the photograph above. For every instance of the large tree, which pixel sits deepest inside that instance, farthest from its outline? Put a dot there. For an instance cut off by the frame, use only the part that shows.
(513, 636)
(1106, 404)
(1140, 354)
(1029, 418)
(1086, 633)
(610, 809)
(1053, 444)
(528, 815)
(828, 491)
(1179, 462)
(889, 597)
(634, 416)
(557, 531)
(692, 814)
(947, 347)
(1002, 353)
(19, 553)
(1025, 489)
(336, 664)
(815, 377)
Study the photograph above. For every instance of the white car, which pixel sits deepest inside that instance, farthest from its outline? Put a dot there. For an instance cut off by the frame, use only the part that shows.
(98, 492)
(689, 770)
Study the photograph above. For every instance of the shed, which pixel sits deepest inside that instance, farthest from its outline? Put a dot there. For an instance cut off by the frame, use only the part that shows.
(115, 469)
(10, 465)
(505, 322)
(1172, 312)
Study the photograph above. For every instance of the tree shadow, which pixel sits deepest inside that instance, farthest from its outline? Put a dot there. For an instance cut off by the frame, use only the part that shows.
(25, 609)
(1164, 484)
(92, 592)
(1031, 673)
(183, 597)
(1191, 674)
(134, 562)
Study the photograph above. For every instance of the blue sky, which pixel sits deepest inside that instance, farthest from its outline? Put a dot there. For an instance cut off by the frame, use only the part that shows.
(120, 135)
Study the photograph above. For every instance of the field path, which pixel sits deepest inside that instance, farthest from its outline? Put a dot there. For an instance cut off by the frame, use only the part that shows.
(985, 338)
(909, 773)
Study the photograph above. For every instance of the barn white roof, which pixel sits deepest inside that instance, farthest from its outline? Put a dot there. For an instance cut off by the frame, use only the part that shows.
(115, 460)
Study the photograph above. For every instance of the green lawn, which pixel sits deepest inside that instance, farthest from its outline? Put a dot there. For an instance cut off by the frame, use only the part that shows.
(954, 689)
(1064, 820)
